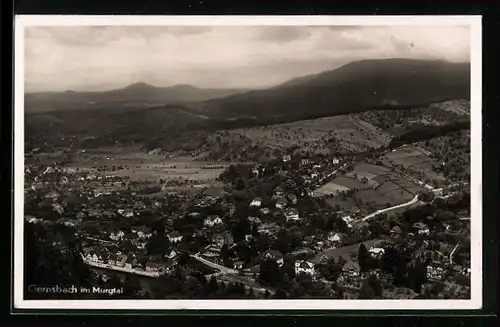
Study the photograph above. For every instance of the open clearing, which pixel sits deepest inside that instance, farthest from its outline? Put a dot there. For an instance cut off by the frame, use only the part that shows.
(330, 188)
(347, 252)
(324, 135)
(417, 162)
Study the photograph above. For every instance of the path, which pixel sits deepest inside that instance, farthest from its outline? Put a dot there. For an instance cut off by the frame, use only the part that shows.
(412, 201)
(211, 264)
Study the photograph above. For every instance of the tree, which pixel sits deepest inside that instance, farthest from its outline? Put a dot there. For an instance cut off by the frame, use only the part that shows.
(366, 292)
(376, 286)
(363, 258)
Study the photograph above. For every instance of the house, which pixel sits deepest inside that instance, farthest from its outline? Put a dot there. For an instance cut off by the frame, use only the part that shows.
(335, 161)
(212, 221)
(273, 255)
(238, 264)
(376, 252)
(154, 266)
(317, 167)
(265, 211)
(396, 230)
(287, 158)
(292, 214)
(279, 191)
(438, 192)
(305, 162)
(351, 269)
(212, 253)
(116, 236)
(304, 266)
(422, 229)
(292, 198)
(347, 219)
(257, 202)
(269, 228)
(143, 232)
(355, 210)
(281, 203)
(171, 255)
(255, 172)
(130, 262)
(121, 259)
(174, 237)
(223, 238)
(435, 272)
(112, 259)
(254, 220)
(334, 237)
(248, 237)
(314, 175)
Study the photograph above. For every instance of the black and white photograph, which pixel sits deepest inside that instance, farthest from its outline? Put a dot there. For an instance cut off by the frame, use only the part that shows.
(328, 162)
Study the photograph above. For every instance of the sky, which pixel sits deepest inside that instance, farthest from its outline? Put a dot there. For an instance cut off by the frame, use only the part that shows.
(98, 58)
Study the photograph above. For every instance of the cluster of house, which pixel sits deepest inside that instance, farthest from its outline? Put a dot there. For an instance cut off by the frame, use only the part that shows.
(133, 262)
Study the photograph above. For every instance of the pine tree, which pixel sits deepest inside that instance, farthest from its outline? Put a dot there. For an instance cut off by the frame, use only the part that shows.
(363, 257)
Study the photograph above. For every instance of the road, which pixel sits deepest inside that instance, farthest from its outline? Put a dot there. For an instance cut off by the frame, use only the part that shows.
(227, 275)
(412, 201)
(213, 265)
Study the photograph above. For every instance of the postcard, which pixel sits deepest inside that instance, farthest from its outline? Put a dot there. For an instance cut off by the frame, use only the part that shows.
(248, 162)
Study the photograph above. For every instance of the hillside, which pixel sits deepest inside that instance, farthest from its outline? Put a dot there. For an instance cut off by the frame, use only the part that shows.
(364, 86)
(355, 87)
(138, 95)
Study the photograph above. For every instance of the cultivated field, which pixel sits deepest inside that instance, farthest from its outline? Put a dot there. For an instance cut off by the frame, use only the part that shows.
(325, 135)
(416, 162)
(381, 188)
(347, 252)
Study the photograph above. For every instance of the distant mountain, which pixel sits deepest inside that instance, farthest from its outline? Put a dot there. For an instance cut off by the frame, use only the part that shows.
(355, 87)
(135, 95)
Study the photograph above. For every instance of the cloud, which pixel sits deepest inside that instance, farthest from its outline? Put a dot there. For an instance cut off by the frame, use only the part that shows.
(80, 57)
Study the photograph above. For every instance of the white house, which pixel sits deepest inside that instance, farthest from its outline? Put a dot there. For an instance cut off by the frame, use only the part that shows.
(281, 203)
(314, 175)
(287, 158)
(255, 171)
(335, 161)
(424, 231)
(376, 252)
(257, 202)
(438, 191)
(265, 211)
(334, 237)
(116, 236)
(274, 255)
(292, 215)
(317, 167)
(212, 221)
(144, 232)
(304, 266)
(351, 268)
(174, 237)
(172, 254)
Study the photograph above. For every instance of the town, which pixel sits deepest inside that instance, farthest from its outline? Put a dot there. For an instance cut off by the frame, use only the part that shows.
(343, 226)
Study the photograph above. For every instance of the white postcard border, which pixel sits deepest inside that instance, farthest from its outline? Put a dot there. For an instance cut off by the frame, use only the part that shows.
(475, 302)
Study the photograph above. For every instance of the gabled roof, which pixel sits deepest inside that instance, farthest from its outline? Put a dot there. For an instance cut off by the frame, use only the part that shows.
(274, 254)
(351, 265)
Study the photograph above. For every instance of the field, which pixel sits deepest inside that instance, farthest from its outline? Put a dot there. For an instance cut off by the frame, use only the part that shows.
(343, 133)
(331, 188)
(347, 252)
(383, 188)
(181, 174)
(417, 162)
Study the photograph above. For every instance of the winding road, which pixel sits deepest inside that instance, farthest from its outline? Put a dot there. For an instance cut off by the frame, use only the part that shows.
(370, 216)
